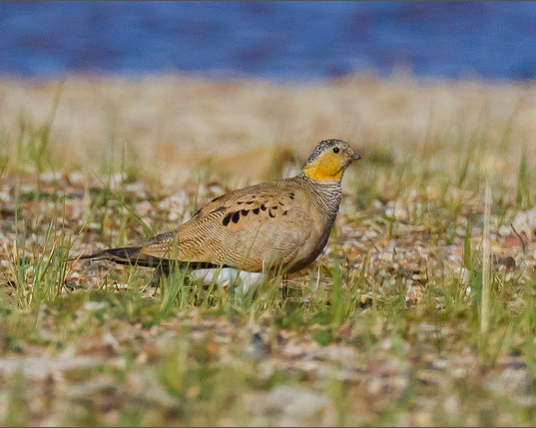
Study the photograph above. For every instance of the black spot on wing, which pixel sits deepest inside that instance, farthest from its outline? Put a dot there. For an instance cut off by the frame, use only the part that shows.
(217, 198)
(227, 219)
(236, 217)
(256, 211)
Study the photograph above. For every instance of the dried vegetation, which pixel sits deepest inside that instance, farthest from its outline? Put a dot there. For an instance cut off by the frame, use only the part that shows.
(419, 312)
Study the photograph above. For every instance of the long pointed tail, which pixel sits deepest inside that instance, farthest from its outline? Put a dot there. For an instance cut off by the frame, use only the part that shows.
(124, 255)
(134, 256)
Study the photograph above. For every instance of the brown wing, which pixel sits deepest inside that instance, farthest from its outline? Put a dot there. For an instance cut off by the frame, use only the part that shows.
(258, 225)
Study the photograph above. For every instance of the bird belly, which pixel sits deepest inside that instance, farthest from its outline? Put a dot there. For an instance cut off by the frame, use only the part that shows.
(286, 249)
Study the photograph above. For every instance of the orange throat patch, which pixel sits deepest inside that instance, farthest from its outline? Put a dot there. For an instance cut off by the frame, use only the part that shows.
(328, 167)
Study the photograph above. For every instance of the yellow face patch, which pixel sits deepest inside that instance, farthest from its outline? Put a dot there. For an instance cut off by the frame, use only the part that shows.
(327, 167)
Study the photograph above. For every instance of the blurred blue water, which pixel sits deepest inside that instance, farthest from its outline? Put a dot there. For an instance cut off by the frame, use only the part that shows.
(278, 40)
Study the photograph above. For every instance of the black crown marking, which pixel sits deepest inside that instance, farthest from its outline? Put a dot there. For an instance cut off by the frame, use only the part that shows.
(324, 146)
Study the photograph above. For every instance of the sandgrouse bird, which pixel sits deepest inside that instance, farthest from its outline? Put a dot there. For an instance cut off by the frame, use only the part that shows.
(282, 224)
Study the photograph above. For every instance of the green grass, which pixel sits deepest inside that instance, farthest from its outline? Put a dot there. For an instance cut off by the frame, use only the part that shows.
(386, 328)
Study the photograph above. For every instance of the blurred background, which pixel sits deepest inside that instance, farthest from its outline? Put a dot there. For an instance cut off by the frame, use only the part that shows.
(224, 85)
(118, 120)
(288, 41)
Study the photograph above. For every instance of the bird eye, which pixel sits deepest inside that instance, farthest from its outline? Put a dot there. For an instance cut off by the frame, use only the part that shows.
(336, 150)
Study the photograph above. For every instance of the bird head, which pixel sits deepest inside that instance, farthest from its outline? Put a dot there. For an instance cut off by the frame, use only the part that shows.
(329, 160)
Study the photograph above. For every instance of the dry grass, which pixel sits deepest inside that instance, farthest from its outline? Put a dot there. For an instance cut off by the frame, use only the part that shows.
(419, 312)
(174, 123)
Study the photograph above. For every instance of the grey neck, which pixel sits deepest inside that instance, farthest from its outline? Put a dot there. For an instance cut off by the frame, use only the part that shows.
(329, 194)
